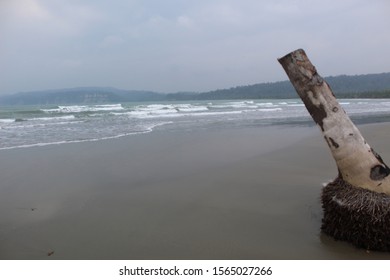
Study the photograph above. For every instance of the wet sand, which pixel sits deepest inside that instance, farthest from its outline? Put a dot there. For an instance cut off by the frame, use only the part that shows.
(243, 193)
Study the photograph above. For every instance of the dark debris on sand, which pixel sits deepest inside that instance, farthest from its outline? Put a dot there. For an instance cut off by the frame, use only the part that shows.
(357, 215)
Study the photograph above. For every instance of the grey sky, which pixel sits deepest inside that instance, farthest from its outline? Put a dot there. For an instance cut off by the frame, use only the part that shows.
(184, 45)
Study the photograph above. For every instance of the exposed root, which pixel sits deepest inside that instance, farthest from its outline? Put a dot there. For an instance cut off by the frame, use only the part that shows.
(357, 215)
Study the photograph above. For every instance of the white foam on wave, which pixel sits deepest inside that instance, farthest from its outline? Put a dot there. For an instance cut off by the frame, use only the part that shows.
(156, 109)
(270, 109)
(267, 104)
(215, 113)
(146, 129)
(84, 108)
(235, 105)
(111, 113)
(241, 104)
(42, 125)
(191, 108)
(143, 115)
(69, 117)
(162, 110)
(110, 106)
(7, 120)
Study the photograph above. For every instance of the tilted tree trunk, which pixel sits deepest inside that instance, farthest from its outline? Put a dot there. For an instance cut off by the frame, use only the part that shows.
(358, 164)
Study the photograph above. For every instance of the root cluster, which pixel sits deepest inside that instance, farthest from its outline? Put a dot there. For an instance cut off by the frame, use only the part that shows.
(356, 215)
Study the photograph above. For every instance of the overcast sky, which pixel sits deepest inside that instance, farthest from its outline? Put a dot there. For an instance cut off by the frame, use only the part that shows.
(184, 45)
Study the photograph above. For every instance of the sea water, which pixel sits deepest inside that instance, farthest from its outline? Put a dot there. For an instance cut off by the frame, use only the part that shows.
(29, 126)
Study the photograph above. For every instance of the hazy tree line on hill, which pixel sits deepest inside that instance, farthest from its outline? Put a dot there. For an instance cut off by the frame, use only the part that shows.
(358, 86)
(87, 95)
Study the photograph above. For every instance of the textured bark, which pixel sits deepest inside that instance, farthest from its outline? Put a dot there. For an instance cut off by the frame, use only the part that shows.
(358, 164)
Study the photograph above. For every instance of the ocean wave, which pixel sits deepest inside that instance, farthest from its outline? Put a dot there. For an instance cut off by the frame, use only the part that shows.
(267, 104)
(234, 105)
(161, 110)
(146, 129)
(7, 120)
(270, 109)
(42, 125)
(68, 117)
(191, 108)
(84, 108)
(143, 115)
(68, 124)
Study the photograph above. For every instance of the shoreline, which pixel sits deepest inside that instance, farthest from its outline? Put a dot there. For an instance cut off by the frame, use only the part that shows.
(243, 193)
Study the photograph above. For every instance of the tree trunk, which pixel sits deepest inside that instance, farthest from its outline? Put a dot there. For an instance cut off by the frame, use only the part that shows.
(358, 164)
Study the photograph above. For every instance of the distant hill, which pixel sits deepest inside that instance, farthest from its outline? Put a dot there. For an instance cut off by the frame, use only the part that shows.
(80, 95)
(358, 86)
(368, 86)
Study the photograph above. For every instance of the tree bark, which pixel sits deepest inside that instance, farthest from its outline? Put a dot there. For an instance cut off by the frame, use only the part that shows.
(357, 162)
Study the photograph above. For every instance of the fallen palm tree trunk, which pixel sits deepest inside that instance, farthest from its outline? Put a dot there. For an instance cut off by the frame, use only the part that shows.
(357, 203)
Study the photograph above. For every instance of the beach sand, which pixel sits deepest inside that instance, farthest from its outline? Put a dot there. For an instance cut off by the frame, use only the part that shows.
(242, 193)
